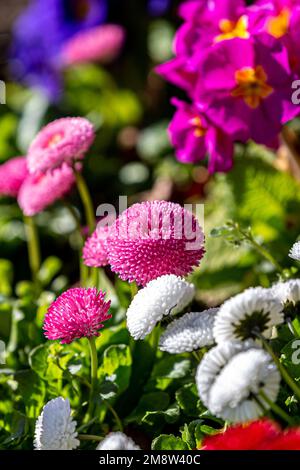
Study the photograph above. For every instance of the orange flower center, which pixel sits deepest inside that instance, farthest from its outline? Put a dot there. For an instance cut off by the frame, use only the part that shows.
(252, 86)
(54, 140)
(199, 129)
(233, 29)
(278, 26)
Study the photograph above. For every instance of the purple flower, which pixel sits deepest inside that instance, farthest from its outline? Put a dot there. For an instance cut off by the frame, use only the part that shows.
(194, 138)
(40, 33)
(158, 7)
(245, 86)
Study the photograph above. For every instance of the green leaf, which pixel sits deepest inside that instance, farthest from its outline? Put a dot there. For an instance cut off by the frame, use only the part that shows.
(168, 442)
(291, 357)
(155, 418)
(117, 363)
(188, 399)
(155, 401)
(171, 367)
(49, 269)
(32, 391)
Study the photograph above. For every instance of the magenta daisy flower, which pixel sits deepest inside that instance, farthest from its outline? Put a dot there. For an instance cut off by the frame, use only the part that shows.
(95, 249)
(12, 175)
(152, 239)
(75, 314)
(102, 44)
(40, 191)
(65, 140)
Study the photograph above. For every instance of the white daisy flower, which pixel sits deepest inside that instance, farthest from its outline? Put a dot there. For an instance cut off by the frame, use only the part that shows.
(254, 311)
(117, 441)
(163, 296)
(191, 332)
(231, 377)
(295, 251)
(287, 292)
(55, 429)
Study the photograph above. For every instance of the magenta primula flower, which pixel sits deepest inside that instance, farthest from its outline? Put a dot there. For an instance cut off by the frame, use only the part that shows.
(152, 239)
(75, 314)
(40, 191)
(65, 140)
(281, 20)
(95, 249)
(102, 44)
(245, 87)
(12, 175)
(206, 23)
(194, 138)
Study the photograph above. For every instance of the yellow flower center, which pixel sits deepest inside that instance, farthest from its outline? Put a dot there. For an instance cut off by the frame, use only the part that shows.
(278, 26)
(55, 139)
(233, 29)
(199, 129)
(252, 86)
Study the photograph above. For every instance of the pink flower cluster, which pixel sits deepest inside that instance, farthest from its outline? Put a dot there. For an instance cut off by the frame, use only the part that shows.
(47, 172)
(237, 65)
(77, 313)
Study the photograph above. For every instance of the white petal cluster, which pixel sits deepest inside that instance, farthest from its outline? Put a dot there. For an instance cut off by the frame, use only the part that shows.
(231, 375)
(237, 311)
(287, 291)
(55, 429)
(163, 296)
(117, 441)
(295, 251)
(191, 332)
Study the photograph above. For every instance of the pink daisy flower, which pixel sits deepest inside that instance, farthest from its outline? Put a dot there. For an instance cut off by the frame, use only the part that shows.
(75, 314)
(12, 175)
(102, 44)
(65, 140)
(152, 239)
(40, 191)
(95, 250)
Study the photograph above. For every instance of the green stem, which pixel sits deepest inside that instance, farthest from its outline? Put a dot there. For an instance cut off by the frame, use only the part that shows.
(134, 289)
(115, 415)
(95, 277)
(86, 201)
(34, 253)
(89, 437)
(94, 371)
(274, 407)
(284, 373)
(265, 253)
(83, 269)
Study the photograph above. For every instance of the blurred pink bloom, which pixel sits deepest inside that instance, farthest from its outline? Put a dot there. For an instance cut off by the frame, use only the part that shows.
(65, 140)
(40, 191)
(12, 175)
(152, 239)
(95, 250)
(102, 44)
(75, 314)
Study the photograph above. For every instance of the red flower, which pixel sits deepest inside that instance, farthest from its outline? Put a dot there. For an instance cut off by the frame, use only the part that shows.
(258, 435)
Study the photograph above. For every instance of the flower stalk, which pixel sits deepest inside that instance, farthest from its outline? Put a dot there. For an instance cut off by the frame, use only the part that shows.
(86, 201)
(94, 371)
(34, 253)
